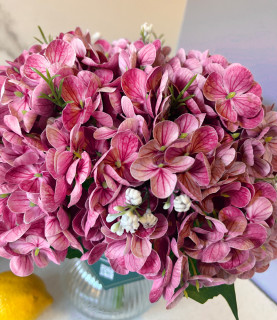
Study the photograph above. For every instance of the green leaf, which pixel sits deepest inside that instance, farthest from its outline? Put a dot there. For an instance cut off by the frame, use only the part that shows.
(206, 293)
(40, 74)
(73, 253)
(42, 34)
(186, 87)
(41, 42)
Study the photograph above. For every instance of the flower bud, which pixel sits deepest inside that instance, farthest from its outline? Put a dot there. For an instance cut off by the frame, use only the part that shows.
(182, 203)
(148, 220)
(133, 197)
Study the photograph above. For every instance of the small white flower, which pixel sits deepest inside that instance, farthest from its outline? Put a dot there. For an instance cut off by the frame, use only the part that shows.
(146, 28)
(133, 197)
(182, 203)
(96, 36)
(166, 205)
(129, 222)
(148, 220)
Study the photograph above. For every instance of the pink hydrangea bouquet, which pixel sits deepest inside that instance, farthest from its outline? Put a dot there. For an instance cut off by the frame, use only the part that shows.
(167, 165)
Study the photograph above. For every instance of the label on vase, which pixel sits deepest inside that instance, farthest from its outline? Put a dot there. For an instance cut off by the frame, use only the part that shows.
(108, 278)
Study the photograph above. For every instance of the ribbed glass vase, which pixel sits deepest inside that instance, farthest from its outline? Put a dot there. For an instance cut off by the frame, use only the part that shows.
(90, 298)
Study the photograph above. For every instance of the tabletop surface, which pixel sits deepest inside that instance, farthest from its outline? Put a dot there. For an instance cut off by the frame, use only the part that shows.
(253, 304)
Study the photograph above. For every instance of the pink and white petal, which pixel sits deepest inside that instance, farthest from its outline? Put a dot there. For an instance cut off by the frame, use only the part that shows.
(60, 190)
(59, 241)
(41, 260)
(255, 233)
(127, 107)
(225, 109)
(104, 133)
(215, 252)
(73, 89)
(22, 266)
(133, 83)
(56, 137)
(133, 263)
(72, 171)
(251, 123)
(126, 143)
(32, 185)
(166, 132)
(96, 253)
(144, 169)
(141, 247)
(259, 210)
(266, 190)
(157, 290)
(201, 170)
(20, 173)
(240, 198)
(115, 249)
(18, 202)
(152, 264)
(75, 194)
(151, 148)
(73, 241)
(103, 118)
(72, 114)
(180, 164)
(213, 89)
(238, 257)
(42, 106)
(119, 264)
(237, 79)
(147, 55)
(163, 183)
(247, 105)
(187, 123)
(204, 139)
(234, 220)
(13, 124)
(61, 52)
(33, 214)
(160, 227)
(189, 186)
(38, 62)
(47, 197)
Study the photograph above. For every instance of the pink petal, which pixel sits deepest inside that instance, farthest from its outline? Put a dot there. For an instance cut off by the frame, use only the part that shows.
(72, 115)
(73, 89)
(38, 62)
(18, 202)
(141, 247)
(160, 228)
(143, 169)
(133, 84)
(215, 252)
(42, 106)
(115, 249)
(60, 51)
(247, 105)
(234, 220)
(163, 183)
(152, 264)
(104, 133)
(204, 139)
(126, 143)
(189, 186)
(200, 170)
(56, 138)
(225, 109)
(180, 164)
(96, 253)
(22, 266)
(187, 123)
(166, 132)
(255, 233)
(237, 78)
(147, 55)
(251, 123)
(240, 198)
(237, 258)
(133, 263)
(12, 123)
(213, 89)
(266, 190)
(127, 107)
(259, 210)
(47, 197)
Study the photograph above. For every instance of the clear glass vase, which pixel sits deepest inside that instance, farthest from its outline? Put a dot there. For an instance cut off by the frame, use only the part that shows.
(90, 298)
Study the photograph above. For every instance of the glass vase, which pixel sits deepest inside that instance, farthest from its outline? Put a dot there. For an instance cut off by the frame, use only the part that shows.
(88, 295)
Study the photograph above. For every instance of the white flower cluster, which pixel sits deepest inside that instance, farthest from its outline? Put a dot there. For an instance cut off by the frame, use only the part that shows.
(146, 30)
(133, 197)
(182, 203)
(130, 221)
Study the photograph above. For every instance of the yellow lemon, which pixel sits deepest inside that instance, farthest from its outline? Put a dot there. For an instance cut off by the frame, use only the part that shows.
(22, 298)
